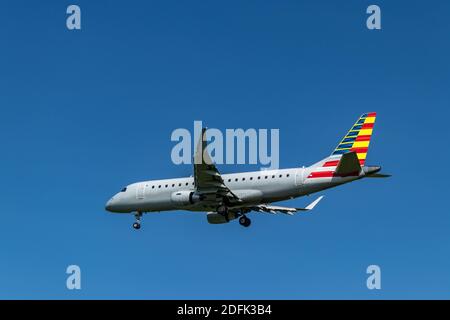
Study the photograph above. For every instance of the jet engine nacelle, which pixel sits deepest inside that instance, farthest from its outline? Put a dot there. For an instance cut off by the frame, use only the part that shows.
(217, 218)
(185, 197)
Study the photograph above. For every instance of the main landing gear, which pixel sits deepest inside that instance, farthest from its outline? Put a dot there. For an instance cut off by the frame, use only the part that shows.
(244, 221)
(137, 224)
(223, 210)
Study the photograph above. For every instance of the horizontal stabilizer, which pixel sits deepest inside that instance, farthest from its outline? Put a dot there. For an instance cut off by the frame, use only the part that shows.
(378, 175)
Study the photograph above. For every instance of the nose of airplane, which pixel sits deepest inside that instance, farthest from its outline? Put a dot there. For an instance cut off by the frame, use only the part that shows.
(109, 205)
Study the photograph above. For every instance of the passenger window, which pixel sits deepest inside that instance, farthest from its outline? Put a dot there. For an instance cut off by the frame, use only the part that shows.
(281, 175)
(179, 184)
(167, 185)
(236, 179)
(243, 179)
(266, 177)
(273, 176)
(251, 178)
(159, 186)
(287, 175)
(187, 183)
(229, 180)
(153, 187)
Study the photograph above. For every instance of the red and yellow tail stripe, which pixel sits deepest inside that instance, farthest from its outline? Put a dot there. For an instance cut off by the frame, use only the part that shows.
(357, 139)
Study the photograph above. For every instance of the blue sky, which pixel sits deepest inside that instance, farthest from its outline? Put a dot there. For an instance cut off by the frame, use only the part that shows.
(86, 112)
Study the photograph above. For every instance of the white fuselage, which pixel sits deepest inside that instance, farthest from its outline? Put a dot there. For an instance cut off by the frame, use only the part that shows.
(257, 187)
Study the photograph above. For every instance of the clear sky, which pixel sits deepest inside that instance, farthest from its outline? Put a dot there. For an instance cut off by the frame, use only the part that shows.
(86, 112)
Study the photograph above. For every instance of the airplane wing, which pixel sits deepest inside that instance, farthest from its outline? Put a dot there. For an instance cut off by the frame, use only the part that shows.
(285, 210)
(207, 179)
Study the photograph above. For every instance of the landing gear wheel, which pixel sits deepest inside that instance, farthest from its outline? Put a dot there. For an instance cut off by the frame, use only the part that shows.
(137, 225)
(244, 221)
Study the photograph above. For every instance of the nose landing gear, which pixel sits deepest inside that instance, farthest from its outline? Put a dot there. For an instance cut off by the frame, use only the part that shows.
(137, 224)
(244, 221)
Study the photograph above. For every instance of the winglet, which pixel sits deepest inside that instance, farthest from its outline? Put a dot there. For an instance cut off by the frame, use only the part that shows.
(311, 205)
(201, 155)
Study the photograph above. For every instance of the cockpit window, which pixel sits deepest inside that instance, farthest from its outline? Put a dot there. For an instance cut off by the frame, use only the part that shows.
(124, 189)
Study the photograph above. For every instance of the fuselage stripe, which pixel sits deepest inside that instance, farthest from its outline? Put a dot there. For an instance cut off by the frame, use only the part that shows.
(329, 174)
(321, 174)
(331, 163)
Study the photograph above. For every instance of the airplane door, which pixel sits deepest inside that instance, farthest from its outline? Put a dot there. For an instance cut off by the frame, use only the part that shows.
(299, 177)
(140, 192)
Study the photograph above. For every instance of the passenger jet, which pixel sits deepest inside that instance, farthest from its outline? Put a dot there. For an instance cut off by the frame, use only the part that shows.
(232, 196)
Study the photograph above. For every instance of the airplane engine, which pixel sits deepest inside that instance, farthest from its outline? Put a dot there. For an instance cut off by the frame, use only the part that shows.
(216, 218)
(185, 197)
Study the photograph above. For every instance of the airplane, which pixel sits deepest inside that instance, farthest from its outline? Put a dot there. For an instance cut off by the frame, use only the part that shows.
(232, 196)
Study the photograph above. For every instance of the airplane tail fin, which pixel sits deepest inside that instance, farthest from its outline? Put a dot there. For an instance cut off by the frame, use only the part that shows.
(357, 139)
